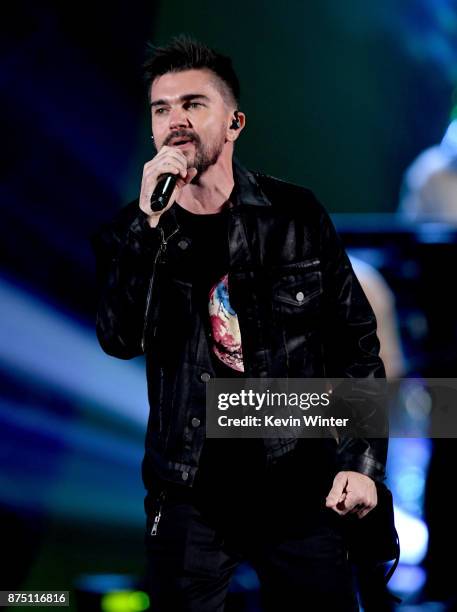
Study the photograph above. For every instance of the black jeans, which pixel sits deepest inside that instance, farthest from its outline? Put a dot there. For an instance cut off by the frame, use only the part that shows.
(260, 515)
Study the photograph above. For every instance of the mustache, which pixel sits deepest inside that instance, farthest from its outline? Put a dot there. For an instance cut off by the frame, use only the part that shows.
(182, 134)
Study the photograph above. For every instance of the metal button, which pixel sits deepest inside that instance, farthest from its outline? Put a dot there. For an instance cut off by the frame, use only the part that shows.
(185, 475)
(205, 377)
(195, 422)
(300, 296)
(183, 244)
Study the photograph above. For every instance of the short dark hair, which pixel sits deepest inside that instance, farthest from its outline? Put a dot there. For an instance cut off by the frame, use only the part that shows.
(185, 53)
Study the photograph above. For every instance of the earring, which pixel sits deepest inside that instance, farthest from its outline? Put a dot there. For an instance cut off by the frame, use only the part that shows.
(152, 138)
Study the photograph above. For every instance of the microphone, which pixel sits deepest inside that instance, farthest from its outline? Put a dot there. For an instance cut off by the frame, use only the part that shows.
(163, 191)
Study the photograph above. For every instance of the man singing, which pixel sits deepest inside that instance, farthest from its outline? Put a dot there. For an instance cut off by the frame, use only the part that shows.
(241, 275)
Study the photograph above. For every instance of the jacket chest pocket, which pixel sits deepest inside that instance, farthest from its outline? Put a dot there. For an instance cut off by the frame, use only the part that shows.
(297, 290)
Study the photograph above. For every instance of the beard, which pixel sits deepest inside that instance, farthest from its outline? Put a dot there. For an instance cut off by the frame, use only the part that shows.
(206, 154)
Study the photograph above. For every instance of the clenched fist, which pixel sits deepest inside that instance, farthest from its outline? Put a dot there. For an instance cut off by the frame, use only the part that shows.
(352, 492)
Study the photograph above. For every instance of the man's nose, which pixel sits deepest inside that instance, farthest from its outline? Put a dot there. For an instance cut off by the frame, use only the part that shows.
(178, 118)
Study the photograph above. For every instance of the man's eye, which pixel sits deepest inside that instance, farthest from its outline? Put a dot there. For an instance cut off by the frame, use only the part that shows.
(193, 104)
(160, 111)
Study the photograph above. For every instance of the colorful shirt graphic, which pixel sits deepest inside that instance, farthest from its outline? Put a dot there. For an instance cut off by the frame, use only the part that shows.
(225, 327)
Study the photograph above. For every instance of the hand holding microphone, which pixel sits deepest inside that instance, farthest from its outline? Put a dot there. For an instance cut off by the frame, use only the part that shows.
(163, 178)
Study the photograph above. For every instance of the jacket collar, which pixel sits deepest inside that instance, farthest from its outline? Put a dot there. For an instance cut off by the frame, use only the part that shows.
(246, 191)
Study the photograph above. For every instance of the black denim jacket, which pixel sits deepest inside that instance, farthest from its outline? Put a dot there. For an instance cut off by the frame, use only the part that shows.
(281, 244)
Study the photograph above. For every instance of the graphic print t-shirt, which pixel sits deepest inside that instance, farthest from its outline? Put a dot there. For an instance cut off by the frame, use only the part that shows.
(207, 269)
(224, 463)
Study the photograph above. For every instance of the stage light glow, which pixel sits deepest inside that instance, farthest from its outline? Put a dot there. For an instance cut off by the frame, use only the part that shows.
(407, 469)
(413, 534)
(125, 601)
(245, 579)
(407, 579)
(411, 484)
(418, 403)
(60, 352)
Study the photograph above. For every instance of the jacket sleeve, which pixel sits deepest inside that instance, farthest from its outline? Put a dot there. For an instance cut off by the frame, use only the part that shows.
(352, 347)
(125, 252)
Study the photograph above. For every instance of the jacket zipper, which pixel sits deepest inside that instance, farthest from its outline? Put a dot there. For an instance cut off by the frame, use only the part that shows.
(162, 248)
(158, 514)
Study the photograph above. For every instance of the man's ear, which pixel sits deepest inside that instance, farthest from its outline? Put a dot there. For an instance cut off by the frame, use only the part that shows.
(237, 123)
